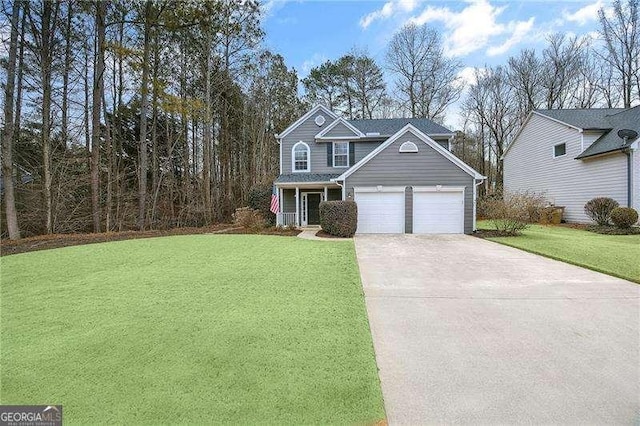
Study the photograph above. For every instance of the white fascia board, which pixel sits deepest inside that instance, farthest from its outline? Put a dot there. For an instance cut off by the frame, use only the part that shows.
(302, 119)
(357, 133)
(424, 138)
(557, 121)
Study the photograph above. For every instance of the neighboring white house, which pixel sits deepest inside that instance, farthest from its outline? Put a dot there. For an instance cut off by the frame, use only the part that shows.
(574, 155)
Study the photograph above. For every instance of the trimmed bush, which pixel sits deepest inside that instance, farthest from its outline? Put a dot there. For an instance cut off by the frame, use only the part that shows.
(249, 218)
(599, 209)
(339, 218)
(624, 217)
(260, 199)
(514, 211)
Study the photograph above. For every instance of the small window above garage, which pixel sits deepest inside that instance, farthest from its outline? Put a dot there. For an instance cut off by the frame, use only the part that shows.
(408, 147)
(559, 150)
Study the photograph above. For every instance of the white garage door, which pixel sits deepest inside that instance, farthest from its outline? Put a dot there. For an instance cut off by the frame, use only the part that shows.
(438, 212)
(380, 211)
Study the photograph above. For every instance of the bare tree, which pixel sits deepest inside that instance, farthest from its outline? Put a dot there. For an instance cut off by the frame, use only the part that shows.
(45, 36)
(426, 79)
(98, 95)
(621, 33)
(7, 140)
(563, 63)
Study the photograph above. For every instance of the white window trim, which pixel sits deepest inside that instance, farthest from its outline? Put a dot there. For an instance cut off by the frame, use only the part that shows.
(554, 150)
(293, 158)
(334, 155)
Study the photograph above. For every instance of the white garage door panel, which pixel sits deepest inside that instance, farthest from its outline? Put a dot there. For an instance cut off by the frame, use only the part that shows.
(438, 212)
(380, 212)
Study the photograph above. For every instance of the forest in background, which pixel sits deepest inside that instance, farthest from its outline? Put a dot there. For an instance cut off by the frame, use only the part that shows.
(154, 114)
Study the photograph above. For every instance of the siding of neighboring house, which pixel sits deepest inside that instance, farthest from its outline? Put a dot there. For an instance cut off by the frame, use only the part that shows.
(635, 186)
(529, 165)
(589, 138)
(424, 168)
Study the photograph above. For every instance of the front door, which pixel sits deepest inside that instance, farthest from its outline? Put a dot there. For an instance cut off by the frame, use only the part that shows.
(311, 208)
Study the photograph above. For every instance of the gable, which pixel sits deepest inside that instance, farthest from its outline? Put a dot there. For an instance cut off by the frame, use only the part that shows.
(339, 130)
(312, 114)
(410, 133)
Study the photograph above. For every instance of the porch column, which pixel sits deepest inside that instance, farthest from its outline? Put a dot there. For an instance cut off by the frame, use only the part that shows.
(297, 206)
(326, 193)
(280, 199)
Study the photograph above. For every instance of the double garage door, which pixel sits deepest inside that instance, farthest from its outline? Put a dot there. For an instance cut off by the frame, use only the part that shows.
(432, 210)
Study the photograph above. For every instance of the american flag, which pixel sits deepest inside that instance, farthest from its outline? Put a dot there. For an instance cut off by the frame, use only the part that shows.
(275, 202)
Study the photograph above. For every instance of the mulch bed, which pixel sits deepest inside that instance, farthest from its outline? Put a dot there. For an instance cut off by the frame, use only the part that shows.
(323, 234)
(44, 242)
(492, 233)
(612, 230)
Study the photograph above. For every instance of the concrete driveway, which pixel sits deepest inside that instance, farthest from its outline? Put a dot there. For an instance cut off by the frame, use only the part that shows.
(469, 331)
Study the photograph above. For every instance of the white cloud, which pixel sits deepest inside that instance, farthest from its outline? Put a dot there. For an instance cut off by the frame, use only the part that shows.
(473, 27)
(315, 60)
(585, 14)
(467, 76)
(519, 30)
(388, 10)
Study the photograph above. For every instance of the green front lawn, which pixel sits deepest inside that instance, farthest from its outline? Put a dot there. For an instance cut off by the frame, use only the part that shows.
(616, 255)
(190, 329)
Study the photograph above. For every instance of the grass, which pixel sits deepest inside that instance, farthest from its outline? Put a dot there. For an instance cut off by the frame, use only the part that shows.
(193, 329)
(615, 255)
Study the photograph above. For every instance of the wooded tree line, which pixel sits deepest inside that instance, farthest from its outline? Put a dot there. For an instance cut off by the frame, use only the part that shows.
(135, 114)
(569, 72)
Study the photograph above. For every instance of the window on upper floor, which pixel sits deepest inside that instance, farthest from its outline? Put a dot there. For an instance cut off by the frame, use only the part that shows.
(300, 155)
(559, 150)
(341, 154)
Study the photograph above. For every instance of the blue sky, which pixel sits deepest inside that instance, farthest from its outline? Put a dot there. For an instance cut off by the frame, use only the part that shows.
(476, 32)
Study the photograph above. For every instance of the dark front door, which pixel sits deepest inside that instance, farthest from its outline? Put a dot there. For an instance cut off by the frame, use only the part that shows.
(313, 206)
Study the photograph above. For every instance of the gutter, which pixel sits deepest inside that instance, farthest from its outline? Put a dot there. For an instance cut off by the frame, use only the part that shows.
(629, 176)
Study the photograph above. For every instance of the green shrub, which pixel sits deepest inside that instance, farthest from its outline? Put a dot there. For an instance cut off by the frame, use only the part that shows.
(624, 217)
(514, 211)
(249, 218)
(339, 218)
(260, 199)
(599, 209)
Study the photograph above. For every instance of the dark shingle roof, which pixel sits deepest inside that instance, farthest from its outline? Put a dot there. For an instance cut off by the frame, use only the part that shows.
(608, 119)
(305, 177)
(389, 126)
(594, 118)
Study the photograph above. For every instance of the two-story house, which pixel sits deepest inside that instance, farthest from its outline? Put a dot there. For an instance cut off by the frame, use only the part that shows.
(574, 155)
(400, 172)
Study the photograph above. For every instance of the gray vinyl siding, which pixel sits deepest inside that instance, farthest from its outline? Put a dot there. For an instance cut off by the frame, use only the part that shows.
(427, 167)
(529, 165)
(340, 130)
(364, 148)
(288, 200)
(408, 210)
(306, 133)
(334, 194)
(443, 143)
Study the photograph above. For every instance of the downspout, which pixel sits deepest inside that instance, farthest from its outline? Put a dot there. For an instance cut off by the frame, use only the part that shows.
(475, 201)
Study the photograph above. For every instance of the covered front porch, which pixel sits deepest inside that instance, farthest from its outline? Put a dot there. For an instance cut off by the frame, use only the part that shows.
(300, 201)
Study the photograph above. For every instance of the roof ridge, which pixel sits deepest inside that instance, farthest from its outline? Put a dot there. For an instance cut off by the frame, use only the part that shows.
(623, 110)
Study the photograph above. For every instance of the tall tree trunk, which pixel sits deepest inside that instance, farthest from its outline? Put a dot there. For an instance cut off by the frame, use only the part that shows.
(155, 186)
(18, 114)
(207, 139)
(98, 94)
(49, 17)
(65, 78)
(144, 106)
(7, 141)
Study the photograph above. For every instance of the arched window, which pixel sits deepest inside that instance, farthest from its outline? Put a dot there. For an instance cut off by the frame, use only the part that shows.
(408, 147)
(300, 157)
